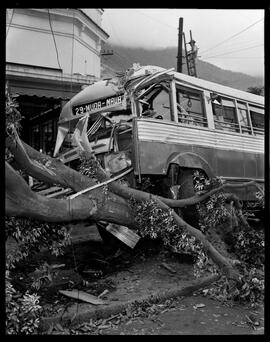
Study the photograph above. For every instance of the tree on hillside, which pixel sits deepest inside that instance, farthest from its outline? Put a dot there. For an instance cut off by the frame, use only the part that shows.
(256, 90)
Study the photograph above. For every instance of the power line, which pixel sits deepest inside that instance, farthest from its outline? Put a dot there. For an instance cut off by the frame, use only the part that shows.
(122, 56)
(236, 34)
(155, 19)
(227, 53)
(10, 21)
(235, 57)
(233, 46)
(54, 39)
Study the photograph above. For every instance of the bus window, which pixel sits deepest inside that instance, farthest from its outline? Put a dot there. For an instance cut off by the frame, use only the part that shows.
(190, 107)
(161, 105)
(156, 104)
(225, 115)
(243, 118)
(257, 119)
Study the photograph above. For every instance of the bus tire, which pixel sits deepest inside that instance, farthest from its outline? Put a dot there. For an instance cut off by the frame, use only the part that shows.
(190, 213)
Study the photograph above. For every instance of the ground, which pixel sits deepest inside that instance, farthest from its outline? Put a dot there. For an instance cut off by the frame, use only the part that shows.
(184, 318)
(130, 276)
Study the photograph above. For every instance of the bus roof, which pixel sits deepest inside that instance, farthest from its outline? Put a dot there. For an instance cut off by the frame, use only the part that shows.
(218, 88)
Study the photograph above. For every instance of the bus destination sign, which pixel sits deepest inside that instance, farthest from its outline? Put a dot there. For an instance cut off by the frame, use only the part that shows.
(95, 106)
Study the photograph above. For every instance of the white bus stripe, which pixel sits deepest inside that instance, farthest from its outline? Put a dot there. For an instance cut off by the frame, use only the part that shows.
(176, 134)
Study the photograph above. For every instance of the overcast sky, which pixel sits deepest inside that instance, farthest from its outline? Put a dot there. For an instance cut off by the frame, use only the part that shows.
(216, 32)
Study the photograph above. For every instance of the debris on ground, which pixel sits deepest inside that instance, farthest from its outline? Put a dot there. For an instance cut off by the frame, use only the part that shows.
(84, 296)
(167, 267)
(198, 306)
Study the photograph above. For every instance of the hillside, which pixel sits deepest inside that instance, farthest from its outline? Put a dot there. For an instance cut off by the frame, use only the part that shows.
(124, 57)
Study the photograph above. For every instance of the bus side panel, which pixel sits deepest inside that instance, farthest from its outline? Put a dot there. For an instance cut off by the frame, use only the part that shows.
(230, 163)
(154, 155)
(229, 155)
(260, 163)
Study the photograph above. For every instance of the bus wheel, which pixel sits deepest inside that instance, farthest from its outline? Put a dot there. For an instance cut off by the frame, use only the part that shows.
(190, 213)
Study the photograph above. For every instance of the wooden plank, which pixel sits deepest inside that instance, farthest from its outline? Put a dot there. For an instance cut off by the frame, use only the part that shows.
(49, 190)
(123, 233)
(84, 296)
(58, 193)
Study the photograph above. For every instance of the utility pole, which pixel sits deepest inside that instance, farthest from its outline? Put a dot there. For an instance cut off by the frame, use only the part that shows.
(180, 38)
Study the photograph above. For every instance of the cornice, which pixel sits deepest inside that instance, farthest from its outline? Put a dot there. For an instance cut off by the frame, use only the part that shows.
(70, 14)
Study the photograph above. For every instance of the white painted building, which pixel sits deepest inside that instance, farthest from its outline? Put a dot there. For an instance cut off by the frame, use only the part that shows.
(51, 54)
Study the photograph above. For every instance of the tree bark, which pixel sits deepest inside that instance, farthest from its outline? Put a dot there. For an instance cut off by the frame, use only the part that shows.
(22, 202)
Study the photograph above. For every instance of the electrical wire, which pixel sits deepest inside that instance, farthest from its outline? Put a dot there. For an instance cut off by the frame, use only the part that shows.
(233, 36)
(54, 39)
(227, 53)
(122, 56)
(236, 57)
(236, 45)
(155, 19)
(10, 21)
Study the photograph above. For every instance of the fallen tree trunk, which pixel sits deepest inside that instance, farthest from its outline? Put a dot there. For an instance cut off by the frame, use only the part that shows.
(22, 202)
(91, 205)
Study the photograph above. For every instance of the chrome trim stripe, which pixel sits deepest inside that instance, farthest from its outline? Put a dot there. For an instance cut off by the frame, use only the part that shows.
(242, 179)
(168, 132)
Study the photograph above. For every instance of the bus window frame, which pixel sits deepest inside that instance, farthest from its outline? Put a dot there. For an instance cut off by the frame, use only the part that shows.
(150, 88)
(236, 100)
(233, 127)
(195, 91)
(253, 127)
(248, 116)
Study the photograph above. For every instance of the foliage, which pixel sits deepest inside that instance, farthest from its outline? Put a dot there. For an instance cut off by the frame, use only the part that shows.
(156, 223)
(22, 311)
(213, 211)
(260, 199)
(203, 184)
(13, 115)
(33, 235)
(88, 166)
(256, 90)
(250, 289)
(245, 245)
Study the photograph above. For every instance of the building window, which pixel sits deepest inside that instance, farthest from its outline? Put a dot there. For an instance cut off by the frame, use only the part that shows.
(257, 119)
(190, 107)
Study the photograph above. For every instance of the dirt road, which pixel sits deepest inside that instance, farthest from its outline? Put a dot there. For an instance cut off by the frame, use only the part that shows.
(194, 315)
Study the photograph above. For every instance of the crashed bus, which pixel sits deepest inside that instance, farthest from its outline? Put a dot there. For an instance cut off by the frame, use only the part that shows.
(155, 127)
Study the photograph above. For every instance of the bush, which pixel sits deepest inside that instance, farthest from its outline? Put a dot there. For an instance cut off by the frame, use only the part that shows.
(22, 311)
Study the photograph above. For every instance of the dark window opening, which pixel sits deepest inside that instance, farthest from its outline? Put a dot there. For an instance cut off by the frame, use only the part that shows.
(257, 119)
